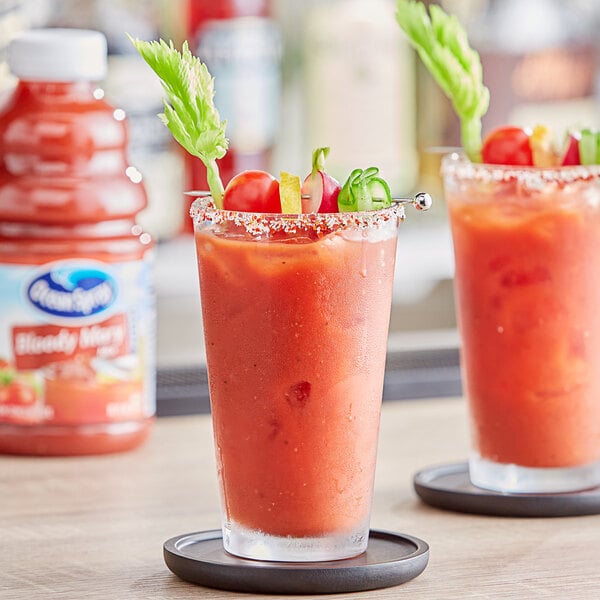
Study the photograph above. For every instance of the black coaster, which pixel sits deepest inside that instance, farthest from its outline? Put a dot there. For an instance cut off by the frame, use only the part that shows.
(449, 487)
(390, 559)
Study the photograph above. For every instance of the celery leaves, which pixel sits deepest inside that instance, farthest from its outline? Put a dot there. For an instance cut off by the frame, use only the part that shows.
(190, 113)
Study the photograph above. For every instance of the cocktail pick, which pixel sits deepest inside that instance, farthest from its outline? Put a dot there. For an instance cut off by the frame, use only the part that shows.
(421, 200)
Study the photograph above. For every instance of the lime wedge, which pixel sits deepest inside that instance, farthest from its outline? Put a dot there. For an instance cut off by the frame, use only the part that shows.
(289, 194)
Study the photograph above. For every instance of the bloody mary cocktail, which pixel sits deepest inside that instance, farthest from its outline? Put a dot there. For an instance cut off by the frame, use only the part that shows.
(527, 253)
(296, 288)
(296, 313)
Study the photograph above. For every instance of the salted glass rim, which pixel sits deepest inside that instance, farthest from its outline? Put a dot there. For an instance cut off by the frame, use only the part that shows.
(203, 210)
(458, 165)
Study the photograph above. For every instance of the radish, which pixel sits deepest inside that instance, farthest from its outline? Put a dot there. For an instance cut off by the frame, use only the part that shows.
(320, 191)
(571, 154)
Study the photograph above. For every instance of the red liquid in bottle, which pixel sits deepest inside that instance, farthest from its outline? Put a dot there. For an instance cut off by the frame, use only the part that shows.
(76, 305)
(241, 47)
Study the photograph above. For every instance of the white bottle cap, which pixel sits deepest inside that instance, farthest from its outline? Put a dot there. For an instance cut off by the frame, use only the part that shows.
(58, 55)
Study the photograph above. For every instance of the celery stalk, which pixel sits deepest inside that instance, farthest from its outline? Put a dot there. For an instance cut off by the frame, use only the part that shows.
(441, 43)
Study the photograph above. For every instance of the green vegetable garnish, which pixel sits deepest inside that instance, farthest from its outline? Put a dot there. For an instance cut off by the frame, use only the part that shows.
(318, 159)
(589, 147)
(441, 42)
(190, 113)
(363, 191)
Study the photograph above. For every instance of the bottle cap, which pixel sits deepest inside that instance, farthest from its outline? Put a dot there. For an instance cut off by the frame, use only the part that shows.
(55, 54)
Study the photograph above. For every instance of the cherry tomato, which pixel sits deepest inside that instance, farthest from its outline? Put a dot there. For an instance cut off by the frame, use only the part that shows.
(17, 393)
(252, 191)
(508, 145)
(20, 393)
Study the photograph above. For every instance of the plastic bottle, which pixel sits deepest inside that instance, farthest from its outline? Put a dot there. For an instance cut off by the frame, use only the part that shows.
(77, 323)
(360, 89)
(241, 46)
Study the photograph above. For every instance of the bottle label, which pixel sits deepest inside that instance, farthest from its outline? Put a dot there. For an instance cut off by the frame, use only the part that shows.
(76, 342)
(243, 55)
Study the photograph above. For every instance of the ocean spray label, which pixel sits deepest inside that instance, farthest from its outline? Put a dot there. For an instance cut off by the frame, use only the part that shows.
(72, 292)
(76, 342)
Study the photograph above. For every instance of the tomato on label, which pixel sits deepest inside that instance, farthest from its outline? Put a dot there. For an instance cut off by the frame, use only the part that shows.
(252, 191)
(17, 393)
(508, 145)
(21, 393)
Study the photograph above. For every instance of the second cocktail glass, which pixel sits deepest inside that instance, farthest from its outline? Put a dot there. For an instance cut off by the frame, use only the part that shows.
(296, 312)
(527, 254)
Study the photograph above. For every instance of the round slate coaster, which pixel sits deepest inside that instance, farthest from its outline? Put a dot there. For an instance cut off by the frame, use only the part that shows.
(390, 559)
(449, 487)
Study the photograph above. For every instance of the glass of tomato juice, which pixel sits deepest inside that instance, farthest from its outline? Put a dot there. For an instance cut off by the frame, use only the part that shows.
(296, 312)
(527, 281)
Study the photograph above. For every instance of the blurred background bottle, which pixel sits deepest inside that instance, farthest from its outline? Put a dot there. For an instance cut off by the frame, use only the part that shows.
(131, 85)
(437, 126)
(241, 46)
(360, 89)
(539, 60)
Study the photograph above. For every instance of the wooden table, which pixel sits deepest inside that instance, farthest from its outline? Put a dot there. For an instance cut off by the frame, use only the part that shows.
(93, 528)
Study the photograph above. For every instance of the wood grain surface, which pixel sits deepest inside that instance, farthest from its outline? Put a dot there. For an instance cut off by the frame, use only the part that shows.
(93, 528)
